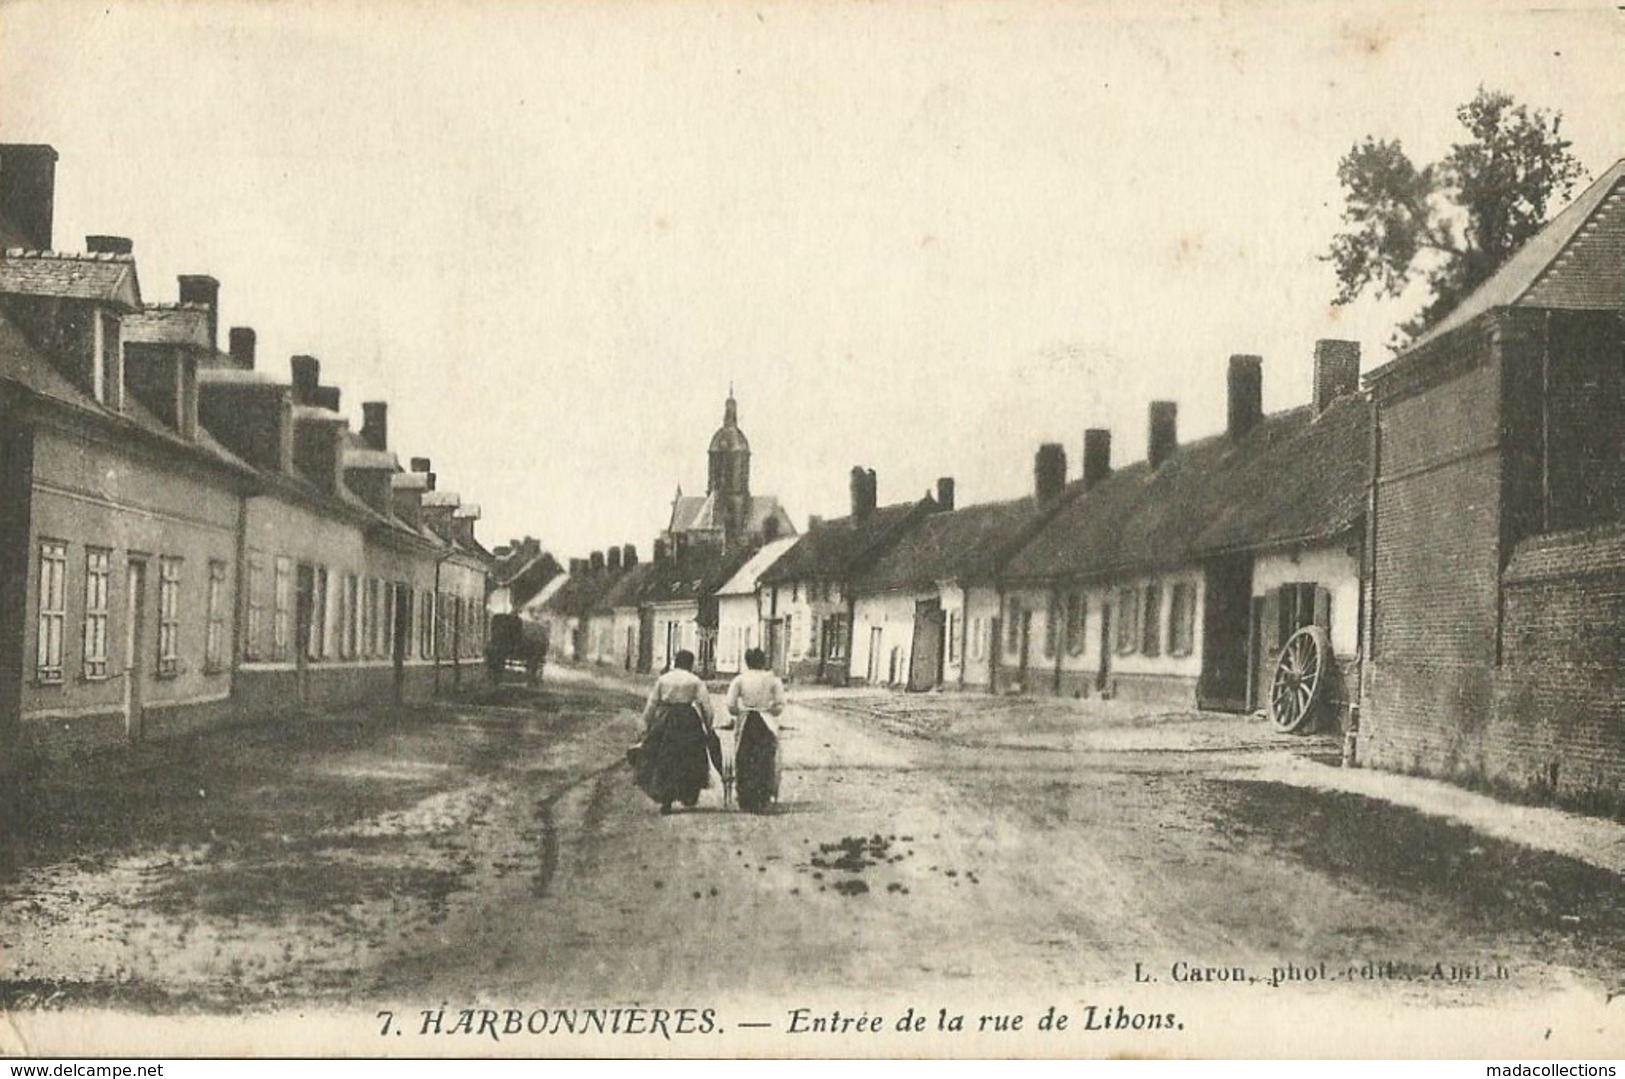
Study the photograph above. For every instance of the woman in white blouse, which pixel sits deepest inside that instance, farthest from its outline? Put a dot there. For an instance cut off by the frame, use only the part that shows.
(756, 697)
(673, 765)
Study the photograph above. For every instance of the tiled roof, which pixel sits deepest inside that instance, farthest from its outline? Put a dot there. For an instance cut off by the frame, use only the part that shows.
(168, 324)
(965, 545)
(105, 278)
(531, 578)
(1569, 263)
(1293, 478)
(743, 582)
(836, 549)
(703, 513)
(691, 575)
(21, 362)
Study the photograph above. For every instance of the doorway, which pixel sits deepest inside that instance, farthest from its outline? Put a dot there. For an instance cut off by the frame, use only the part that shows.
(135, 619)
(1227, 649)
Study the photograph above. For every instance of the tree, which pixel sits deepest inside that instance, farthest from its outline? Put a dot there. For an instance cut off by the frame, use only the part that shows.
(1454, 222)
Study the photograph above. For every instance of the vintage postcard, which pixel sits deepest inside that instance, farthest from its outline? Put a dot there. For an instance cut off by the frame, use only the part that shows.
(812, 529)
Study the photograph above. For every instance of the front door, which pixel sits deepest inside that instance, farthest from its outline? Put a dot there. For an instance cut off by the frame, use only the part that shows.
(135, 617)
(1226, 635)
(925, 662)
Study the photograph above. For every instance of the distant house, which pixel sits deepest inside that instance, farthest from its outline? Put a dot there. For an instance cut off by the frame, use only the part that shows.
(606, 645)
(568, 610)
(924, 614)
(806, 598)
(739, 623)
(678, 604)
(1498, 556)
(1178, 578)
(519, 570)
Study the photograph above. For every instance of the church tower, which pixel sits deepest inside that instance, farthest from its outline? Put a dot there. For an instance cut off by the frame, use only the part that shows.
(729, 472)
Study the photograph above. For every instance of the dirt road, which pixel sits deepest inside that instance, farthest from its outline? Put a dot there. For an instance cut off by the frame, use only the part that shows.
(928, 853)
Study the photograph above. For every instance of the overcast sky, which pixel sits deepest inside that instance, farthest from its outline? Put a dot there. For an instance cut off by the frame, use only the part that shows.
(920, 238)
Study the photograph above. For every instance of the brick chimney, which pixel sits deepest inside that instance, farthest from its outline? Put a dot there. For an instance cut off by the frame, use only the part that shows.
(102, 244)
(1246, 381)
(28, 193)
(863, 492)
(1097, 455)
(595, 562)
(242, 340)
(1049, 473)
(1163, 437)
(1337, 371)
(307, 375)
(613, 560)
(375, 424)
(629, 556)
(203, 289)
(945, 492)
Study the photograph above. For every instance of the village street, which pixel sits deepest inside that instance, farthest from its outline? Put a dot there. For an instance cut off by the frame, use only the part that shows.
(493, 853)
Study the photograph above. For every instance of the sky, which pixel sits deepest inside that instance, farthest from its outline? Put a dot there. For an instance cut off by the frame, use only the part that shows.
(923, 238)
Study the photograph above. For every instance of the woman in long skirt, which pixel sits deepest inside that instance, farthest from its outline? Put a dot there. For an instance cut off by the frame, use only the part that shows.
(756, 698)
(674, 765)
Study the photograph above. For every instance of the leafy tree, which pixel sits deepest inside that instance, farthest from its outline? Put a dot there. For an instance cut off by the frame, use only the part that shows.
(1454, 222)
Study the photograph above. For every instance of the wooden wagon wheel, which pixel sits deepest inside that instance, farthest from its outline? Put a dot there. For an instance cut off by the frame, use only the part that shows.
(1302, 675)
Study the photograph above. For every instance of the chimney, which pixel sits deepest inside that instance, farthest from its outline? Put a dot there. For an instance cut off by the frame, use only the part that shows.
(307, 375)
(203, 289)
(326, 397)
(614, 560)
(109, 245)
(629, 556)
(375, 424)
(1163, 437)
(1246, 394)
(596, 562)
(1337, 371)
(1097, 455)
(530, 547)
(28, 192)
(814, 521)
(578, 566)
(1049, 473)
(660, 551)
(318, 450)
(425, 466)
(945, 492)
(242, 346)
(863, 494)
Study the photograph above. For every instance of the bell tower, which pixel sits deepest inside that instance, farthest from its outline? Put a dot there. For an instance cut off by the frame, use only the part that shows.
(728, 475)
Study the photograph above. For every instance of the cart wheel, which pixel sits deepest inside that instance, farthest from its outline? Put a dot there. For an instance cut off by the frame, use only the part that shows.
(1301, 676)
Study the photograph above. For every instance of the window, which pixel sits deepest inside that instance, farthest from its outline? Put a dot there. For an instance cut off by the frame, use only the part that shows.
(169, 616)
(352, 616)
(953, 636)
(282, 613)
(316, 644)
(836, 628)
(391, 598)
(1151, 634)
(1301, 604)
(1077, 608)
(256, 606)
(815, 641)
(1128, 620)
(53, 610)
(369, 617)
(214, 633)
(1182, 620)
(98, 576)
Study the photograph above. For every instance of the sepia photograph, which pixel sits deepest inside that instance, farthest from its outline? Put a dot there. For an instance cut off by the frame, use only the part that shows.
(812, 529)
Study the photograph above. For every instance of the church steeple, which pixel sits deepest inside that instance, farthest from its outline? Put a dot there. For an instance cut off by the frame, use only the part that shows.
(729, 472)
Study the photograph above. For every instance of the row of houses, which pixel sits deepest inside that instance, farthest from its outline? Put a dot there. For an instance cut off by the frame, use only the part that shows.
(1453, 530)
(187, 536)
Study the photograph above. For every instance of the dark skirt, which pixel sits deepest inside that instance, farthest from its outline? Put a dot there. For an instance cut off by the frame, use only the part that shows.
(673, 765)
(756, 765)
